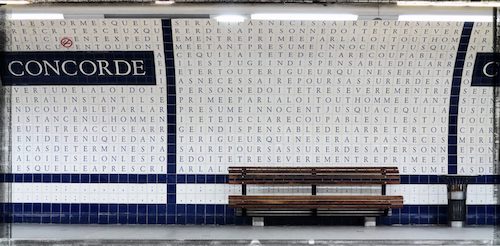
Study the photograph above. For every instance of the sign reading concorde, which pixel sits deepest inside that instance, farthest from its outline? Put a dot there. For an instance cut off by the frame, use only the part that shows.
(78, 68)
(486, 69)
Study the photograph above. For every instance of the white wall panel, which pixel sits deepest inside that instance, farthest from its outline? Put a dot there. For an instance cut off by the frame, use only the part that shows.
(89, 193)
(482, 194)
(270, 93)
(412, 194)
(89, 129)
(313, 93)
(420, 194)
(205, 193)
(475, 121)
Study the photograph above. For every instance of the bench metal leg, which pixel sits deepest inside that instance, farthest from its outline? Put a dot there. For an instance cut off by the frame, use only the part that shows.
(257, 221)
(370, 222)
(457, 224)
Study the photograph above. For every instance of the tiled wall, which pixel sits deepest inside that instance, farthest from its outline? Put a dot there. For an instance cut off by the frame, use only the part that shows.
(364, 93)
(91, 213)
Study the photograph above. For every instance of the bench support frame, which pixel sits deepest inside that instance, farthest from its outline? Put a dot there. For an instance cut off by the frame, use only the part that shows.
(257, 221)
(388, 175)
(370, 221)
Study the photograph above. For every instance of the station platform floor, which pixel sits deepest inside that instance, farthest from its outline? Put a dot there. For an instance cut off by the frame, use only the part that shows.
(37, 234)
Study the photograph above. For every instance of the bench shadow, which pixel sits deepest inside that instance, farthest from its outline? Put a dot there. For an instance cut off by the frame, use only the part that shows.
(301, 221)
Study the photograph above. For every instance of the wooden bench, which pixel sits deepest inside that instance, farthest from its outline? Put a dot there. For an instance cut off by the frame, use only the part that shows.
(259, 206)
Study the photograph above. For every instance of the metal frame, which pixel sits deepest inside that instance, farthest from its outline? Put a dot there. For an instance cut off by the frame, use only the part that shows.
(496, 114)
(5, 137)
(311, 212)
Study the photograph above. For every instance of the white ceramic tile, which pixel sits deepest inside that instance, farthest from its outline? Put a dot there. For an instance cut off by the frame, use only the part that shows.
(270, 113)
(294, 98)
(205, 193)
(88, 193)
(88, 129)
(482, 194)
(420, 193)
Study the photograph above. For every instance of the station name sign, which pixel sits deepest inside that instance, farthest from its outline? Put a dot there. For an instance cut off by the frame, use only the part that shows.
(78, 68)
(486, 70)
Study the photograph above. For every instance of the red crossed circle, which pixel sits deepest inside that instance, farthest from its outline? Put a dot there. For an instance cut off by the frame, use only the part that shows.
(66, 42)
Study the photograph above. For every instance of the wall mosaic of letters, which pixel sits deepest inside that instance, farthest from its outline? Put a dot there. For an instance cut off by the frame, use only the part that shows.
(135, 121)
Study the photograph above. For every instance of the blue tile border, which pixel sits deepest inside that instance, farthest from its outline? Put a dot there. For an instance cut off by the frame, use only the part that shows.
(172, 179)
(201, 214)
(455, 97)
(438, 214)
(436, 179)
(82, 178)
(85, 213)
(417, 214)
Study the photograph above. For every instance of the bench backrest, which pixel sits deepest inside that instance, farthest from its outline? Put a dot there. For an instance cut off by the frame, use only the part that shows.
(314, 175)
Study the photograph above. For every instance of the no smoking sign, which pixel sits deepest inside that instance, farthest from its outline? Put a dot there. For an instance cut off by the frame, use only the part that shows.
(66, 42)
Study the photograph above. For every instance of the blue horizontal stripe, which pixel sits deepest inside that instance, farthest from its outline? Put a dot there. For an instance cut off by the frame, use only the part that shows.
(84, 213)
(189, 178)
(437, 179)
(82, 178)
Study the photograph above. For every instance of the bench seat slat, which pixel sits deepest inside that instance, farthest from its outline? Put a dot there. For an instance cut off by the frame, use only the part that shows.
(339, 182)
(304, 176)
(311, 202)
(310, 169)
(314, 175)
(314, 204)
(318, 197)
(352, 169)
(316, 167)
(313, 180)
(285, 173)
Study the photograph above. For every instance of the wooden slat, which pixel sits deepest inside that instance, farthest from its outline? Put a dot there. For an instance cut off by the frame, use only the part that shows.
(310, 169)
(313, 182)
(310, 176)
(312, 202)
(314, 175)
(318, 169)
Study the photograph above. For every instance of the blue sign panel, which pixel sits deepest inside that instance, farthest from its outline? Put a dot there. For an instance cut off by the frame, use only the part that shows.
(486, 70)
(78, 68)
